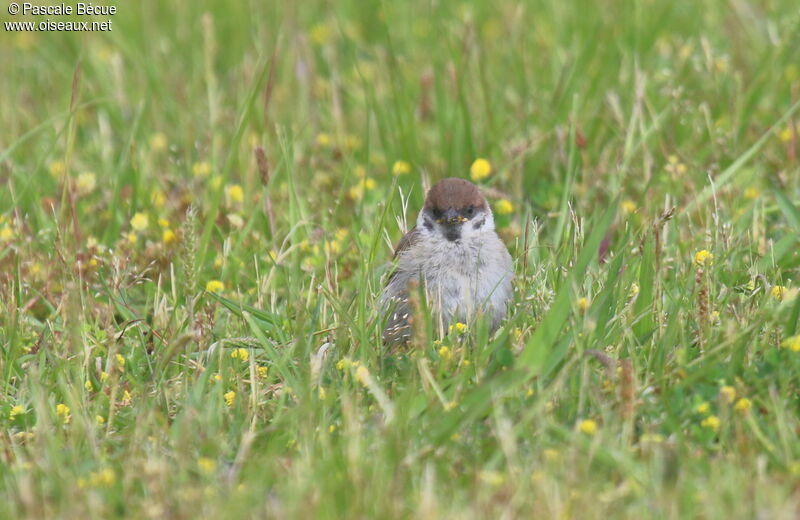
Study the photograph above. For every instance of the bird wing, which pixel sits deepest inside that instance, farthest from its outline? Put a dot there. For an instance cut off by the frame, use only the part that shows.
(406, 242)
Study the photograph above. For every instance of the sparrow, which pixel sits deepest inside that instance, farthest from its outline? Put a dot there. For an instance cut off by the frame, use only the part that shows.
(454, 253)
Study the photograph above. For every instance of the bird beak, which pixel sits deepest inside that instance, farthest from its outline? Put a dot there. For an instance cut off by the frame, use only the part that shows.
(451, 216)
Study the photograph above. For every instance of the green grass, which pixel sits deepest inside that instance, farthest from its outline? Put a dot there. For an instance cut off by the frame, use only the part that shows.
(647, 131)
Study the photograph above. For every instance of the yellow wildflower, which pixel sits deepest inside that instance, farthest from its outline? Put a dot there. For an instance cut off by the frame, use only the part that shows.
(168, 237)
(240, 353)
(86, 182)
(331, 428)
(792, 343)
(785, 135)
(103, 377)
(262, 371)
(131, 237)
(139, 221)
(324, 139)
(458, 327)
(206, 465)
(444, 353)
(201, 169)
(504, 207)
(99, 419)
(320, 34)
(711, 422)
(480, 170)
(778, 292)
(158, 198)
(583, 304)
(215, 286)
(62, 411)
(634, 290)
(158, 142)
(235, 193)
(587, 426)
(751, 193)
(321, 393)
(727, 393)
(362, 374)
(743, 405)
(703, 258)
(6, 233)
(230, 398)
(57, 168)
(401, 168)
(15, 411)
(702, 408)
(88, 385)
(628, 207)
(102, 478)
(120, 361)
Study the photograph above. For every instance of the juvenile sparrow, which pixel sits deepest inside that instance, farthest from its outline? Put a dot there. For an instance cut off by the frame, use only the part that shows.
(456, 256)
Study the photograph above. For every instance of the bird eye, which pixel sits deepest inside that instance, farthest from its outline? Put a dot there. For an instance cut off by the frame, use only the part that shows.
(470, 211)
(437, 214)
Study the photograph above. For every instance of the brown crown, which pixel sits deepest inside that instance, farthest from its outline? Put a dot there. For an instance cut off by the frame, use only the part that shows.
(454, 193)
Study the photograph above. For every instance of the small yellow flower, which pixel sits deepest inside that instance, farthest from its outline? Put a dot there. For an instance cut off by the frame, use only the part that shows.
(785, 135)
(86, 182)
(324, 139)
(778, 292)
(551, 455)
(628, 207)
(751, 193)
(792, 343)
(321, 393)
(235, 193)
(103, 478)
(702, 408)
(57, 169)
(215, 286)
(583, 304)
(362, 375)
(131, 237)
(62, 411)
(727, 393)
(88, 385)
(163, 223)
(634, 290)
(504, 207)
(480, 170)
(703, 258)
(168, 237)
(206, 465)
(401, 168)
(15, 411)
(99, 419)
(344, 364)
(711, 422)
(320, 34)
(369, 183)
(201, 169)
(331, 428)
(458, 327)
(240, 353)
(103, 377)
(120, 361)
(158, 142)
(230, 398)
(444, 353)
(262, 371)
(158, 198)
(743, 405)
(139, 221)
(6, 233)
(587, 426)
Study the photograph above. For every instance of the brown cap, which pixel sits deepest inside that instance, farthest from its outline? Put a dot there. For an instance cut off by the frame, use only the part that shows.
(454, 193)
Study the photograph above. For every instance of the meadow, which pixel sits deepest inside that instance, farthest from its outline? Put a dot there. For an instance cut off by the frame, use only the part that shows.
(198, 210)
